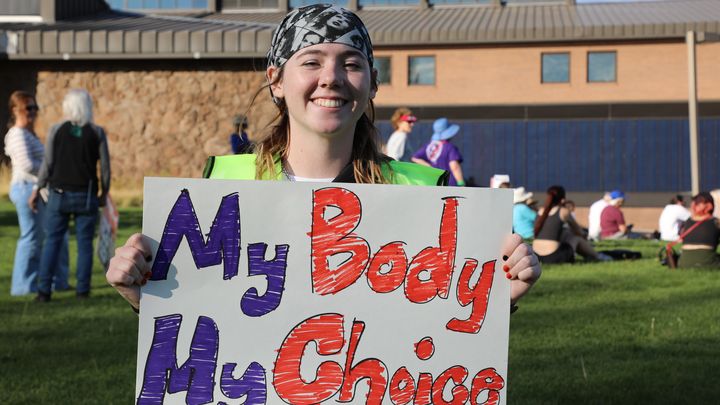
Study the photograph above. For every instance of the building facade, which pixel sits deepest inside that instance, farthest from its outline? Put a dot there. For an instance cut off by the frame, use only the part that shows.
(591, 96)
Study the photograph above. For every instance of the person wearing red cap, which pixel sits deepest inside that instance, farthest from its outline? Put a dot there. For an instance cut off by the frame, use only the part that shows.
(402, 121)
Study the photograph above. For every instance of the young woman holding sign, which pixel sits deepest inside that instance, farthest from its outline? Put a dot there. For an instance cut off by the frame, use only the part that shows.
(321, 79)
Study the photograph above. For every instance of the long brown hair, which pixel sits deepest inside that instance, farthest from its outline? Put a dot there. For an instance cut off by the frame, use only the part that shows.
(555, 195)
(366, 157)
(18, 98)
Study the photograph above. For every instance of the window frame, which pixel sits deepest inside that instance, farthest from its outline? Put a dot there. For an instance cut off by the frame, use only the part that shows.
(615, 67)
(389, 72)
(409, 76)
(542, 66)
(125, 6)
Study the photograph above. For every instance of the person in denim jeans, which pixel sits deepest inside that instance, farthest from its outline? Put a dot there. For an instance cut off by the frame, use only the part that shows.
(26, 151)
(74, 148)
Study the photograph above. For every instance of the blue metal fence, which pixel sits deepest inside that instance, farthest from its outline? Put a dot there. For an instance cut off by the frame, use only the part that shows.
(638, 155)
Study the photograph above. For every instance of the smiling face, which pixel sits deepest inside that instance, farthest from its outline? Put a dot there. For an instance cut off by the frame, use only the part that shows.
(326, 88)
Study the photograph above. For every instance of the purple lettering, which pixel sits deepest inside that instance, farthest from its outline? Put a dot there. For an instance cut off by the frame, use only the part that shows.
(223, 241)
(253, 304)
(196, 375)
(252, 383)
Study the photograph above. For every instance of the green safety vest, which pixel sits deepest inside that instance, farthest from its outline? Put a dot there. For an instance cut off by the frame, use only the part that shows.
(242, 167)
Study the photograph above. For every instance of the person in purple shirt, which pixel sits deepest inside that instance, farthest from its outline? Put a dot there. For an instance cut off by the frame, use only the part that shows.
(442, 154)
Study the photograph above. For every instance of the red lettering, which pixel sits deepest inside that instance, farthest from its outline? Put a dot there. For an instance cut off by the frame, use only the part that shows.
(326, 330)
(425, 348)
(478, 296)
(460, 393)
(333, 236)
(392, 254)
(402, 387)
(439, 262)
(487, 380)
(424, 389)
(372, 369)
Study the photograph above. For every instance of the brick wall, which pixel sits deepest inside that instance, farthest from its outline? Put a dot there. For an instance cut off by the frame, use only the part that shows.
(162, 118)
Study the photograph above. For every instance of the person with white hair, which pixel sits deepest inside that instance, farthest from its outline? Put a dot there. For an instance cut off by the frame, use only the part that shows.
(69, 169)
(594, 213)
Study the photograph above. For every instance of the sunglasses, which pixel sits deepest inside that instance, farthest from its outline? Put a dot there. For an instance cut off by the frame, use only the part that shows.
(30, 108)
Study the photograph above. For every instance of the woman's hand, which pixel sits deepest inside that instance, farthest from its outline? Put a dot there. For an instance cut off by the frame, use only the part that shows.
(130, 268)
(32, 201)
(521, 266)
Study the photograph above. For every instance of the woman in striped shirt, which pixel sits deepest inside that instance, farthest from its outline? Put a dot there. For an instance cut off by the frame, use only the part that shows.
(26, 153)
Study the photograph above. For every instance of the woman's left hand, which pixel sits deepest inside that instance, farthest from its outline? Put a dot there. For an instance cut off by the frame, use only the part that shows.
(521, 266)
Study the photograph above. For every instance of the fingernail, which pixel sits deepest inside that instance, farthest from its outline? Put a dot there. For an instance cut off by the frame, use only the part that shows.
(506, 268)
(509, 276)
(505, 257)
(145, 281)
(148, 274)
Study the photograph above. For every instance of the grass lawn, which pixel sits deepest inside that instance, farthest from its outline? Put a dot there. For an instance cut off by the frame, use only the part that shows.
(600, 333)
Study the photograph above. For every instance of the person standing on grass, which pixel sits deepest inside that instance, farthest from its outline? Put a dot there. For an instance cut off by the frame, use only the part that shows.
(239, 140)
(702, 235)
(26, 152)
(441, 153)
(74, 148)
(323, 86)
(402, 121)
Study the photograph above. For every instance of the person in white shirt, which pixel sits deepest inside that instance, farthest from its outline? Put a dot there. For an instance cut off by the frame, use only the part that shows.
(672, 218)
(402, 122)
(594, 213)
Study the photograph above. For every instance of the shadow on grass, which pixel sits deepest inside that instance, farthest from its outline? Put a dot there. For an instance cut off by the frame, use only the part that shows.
(8, 218)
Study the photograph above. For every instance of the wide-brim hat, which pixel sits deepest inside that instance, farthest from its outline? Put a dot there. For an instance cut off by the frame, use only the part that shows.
(442, 129)
(520, 195)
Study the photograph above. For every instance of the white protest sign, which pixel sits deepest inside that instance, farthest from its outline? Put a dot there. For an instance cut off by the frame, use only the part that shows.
(303, 293)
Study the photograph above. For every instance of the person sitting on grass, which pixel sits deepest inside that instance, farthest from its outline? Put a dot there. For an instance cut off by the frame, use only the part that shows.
(612, 219)
(700, 243)
(523, 215)
(323, 88)
(672, 217)
(551, 244)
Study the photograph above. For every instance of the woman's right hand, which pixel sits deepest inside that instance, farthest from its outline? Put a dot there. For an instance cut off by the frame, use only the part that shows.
(130, 268)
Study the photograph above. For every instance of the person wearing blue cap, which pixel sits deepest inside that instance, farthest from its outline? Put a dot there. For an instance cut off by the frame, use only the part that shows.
(612, 220)
(442, 154)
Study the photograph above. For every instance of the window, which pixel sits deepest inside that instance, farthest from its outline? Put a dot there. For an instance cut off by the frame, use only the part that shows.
(301, 3)
(440, 2)
(384, 69)
(602, 67)
(556, 67)
(157, 4)
(421, 70)
(245, 4)
(365, 3)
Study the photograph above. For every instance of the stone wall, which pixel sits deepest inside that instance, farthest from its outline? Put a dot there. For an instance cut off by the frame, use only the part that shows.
(162, 118)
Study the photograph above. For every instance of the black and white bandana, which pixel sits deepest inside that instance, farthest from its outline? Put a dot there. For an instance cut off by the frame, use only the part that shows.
(318, 24)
